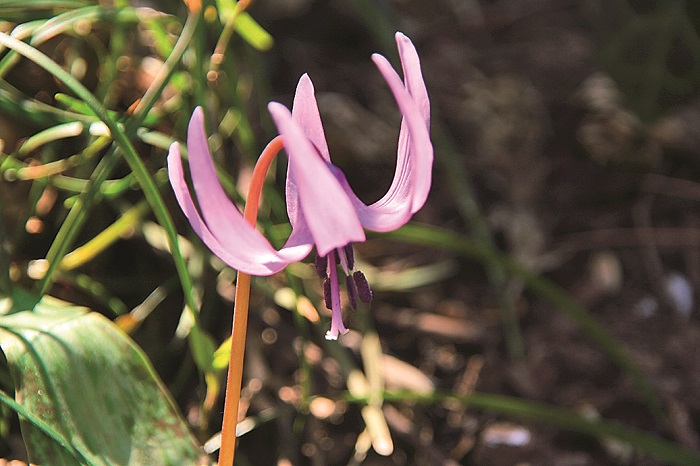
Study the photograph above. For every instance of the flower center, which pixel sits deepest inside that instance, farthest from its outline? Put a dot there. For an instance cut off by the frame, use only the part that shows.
(356, 285)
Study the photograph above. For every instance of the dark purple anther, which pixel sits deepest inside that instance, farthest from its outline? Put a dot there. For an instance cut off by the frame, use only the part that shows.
(363, 290)
(327, 293)
(321, 263)
(352, 291)
(349, 256)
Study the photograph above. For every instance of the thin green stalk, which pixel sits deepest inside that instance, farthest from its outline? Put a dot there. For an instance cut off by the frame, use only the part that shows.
(14, 103)
(40, 31)
(105, 238)
(76, 219)
(144, 178)
(96, 290)
(108, 74)
(54, 133)
(165, 73)
(47, 170)
(108, 189)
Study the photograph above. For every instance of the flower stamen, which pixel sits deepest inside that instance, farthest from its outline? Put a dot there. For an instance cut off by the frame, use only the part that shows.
(349, 256)
(337, 326)
(356, 285)
(321, 264)
(352, 291)
(363, 289)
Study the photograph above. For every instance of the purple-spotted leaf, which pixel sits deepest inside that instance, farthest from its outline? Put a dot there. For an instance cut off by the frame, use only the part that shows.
(85, 379)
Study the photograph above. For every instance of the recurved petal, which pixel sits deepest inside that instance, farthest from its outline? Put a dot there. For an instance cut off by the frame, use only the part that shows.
(415, 85)
(235, 242)
(412, 76)
(328, 213)
(413, 175)
(412, 179)
(219, 213)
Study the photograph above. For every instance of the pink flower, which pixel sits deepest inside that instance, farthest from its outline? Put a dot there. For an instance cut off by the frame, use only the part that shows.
(323, 210)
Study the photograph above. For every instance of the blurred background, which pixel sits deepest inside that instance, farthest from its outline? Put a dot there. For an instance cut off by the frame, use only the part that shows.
(565, 192)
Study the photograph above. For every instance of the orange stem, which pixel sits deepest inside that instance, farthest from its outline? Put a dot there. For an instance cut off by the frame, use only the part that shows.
(240, 313)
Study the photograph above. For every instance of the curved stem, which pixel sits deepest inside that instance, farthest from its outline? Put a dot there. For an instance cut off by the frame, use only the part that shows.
(240, 313)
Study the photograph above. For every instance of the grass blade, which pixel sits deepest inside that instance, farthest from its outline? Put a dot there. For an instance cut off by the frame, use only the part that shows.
(144, 178)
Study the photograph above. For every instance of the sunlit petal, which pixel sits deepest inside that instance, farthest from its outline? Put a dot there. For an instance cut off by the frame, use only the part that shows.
(413, 177)
(322, 208)
(236, 242)
(305, 112)
(413, 77)
(328, 212)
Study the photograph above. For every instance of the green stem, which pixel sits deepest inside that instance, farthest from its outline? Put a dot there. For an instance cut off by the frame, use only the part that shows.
(120, 136)
(76, 219)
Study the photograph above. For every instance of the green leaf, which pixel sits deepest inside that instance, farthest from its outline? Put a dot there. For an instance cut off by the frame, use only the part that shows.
(203, 347)
(249, 29)
(78, 374)
(20, 10)
(139, 169)
(253, 33)
(41, 4)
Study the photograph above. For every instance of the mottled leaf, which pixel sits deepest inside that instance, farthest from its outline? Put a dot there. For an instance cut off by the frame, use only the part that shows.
(82, 376)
